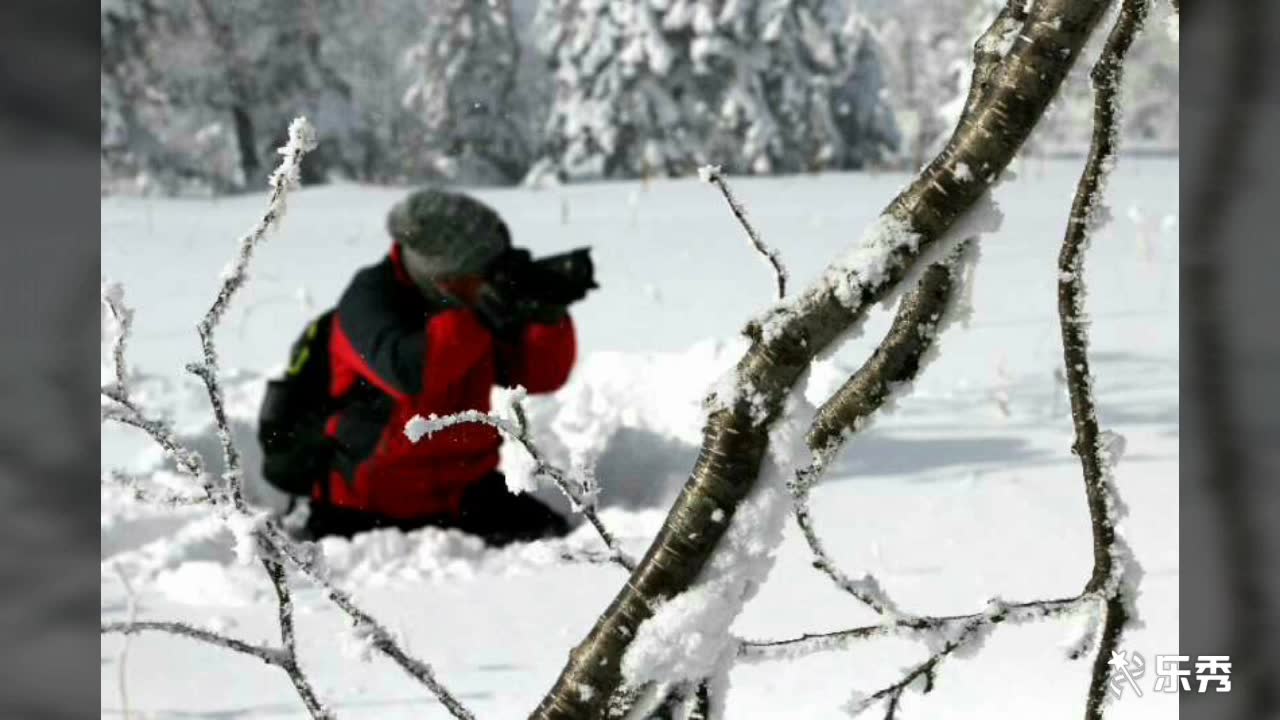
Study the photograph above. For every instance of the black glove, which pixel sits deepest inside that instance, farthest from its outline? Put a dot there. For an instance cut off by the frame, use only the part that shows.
(506, 315)
(502, 303)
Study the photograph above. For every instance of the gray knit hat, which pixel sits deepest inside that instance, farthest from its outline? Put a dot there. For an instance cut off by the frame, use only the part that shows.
(444, 233)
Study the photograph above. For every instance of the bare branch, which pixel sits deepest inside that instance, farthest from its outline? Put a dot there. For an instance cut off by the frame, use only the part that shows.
(289, 662)
(189, 462)
(113, 298)
(712, 174)
(735, 437)
(306, 559)
(898, 359)
(152, 496)
(285, 177)
(1112, 560)
(268, 655)
(578, 490)
(912, 626)
(228, 500)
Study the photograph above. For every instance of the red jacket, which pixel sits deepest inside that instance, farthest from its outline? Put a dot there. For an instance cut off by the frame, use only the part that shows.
(395, 354)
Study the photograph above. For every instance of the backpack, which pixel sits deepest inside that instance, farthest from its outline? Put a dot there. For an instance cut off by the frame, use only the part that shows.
(296, 454)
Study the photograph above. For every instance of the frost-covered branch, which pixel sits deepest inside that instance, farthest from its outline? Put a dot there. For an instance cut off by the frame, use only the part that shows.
(268, 655)
(306, 558)
(122, 316)
(253, 532)
(580, 488)
(289, 662)
(152, 496)
(989, 51)
(934, 629)
(713, 175)
(1115, 572)
(736, 435)
(302, 139)
(895, 363)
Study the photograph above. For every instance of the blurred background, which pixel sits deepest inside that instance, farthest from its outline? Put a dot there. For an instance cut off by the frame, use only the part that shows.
(196, 94)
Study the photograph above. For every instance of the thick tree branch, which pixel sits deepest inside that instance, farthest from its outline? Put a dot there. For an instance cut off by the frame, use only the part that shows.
(1111, 576)
(735, 435)
(712, 174)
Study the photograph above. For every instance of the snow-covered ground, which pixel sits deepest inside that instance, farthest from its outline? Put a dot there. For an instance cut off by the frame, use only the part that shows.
(967, 491)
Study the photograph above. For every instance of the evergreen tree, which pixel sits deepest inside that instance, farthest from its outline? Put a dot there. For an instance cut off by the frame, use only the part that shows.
(662, 86)
(464, 73)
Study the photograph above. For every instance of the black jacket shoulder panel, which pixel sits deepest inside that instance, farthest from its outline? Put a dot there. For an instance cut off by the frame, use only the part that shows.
(386, 320)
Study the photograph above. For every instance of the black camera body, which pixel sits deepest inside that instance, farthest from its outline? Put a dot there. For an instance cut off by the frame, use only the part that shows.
(555, 280)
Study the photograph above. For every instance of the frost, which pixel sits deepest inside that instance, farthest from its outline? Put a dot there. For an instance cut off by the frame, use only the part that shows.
(867, 262)
(687, 637)
(707, 172)
(358, 643)
(963, 173)
(1082, 632)
(244, 529)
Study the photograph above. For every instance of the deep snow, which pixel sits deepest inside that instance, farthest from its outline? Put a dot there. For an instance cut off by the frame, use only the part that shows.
(967, 491)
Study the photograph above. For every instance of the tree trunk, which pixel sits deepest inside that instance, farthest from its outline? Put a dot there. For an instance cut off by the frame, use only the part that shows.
(245, 142)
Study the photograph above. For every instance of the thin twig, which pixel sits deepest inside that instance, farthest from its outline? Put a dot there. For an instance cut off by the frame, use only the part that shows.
(228, 499)
(898, 359)
(577, 491)
(1111, 556)
(122, 660)
(713, 175)
(268, 655)
(914, 626)
(152, 496)
(284, 602)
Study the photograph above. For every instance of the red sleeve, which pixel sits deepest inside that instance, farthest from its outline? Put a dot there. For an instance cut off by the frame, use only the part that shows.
(542, 360)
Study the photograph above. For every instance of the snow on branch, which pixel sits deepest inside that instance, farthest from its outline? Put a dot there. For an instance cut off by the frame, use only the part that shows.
(302, 139)
(268, 655)
(890, 370)
(935, 630)
(1112, 584)
(1115, 571)
(254, 533)
(122, 316)
(578, 485)
(785, 342)
(990, 50)
(713, 175)
(151, 496)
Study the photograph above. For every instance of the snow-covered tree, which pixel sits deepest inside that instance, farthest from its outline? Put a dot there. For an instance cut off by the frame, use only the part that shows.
(663, 86)
(463, 73)
(190, 88)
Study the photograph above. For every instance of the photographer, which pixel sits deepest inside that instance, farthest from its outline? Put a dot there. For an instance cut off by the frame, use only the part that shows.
(451, 311)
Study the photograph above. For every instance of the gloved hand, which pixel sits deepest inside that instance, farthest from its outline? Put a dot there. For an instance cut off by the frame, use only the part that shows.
(501, 303)
(505, 313)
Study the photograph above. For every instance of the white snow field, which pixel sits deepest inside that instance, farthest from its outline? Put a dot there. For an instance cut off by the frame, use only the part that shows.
(967, 491)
